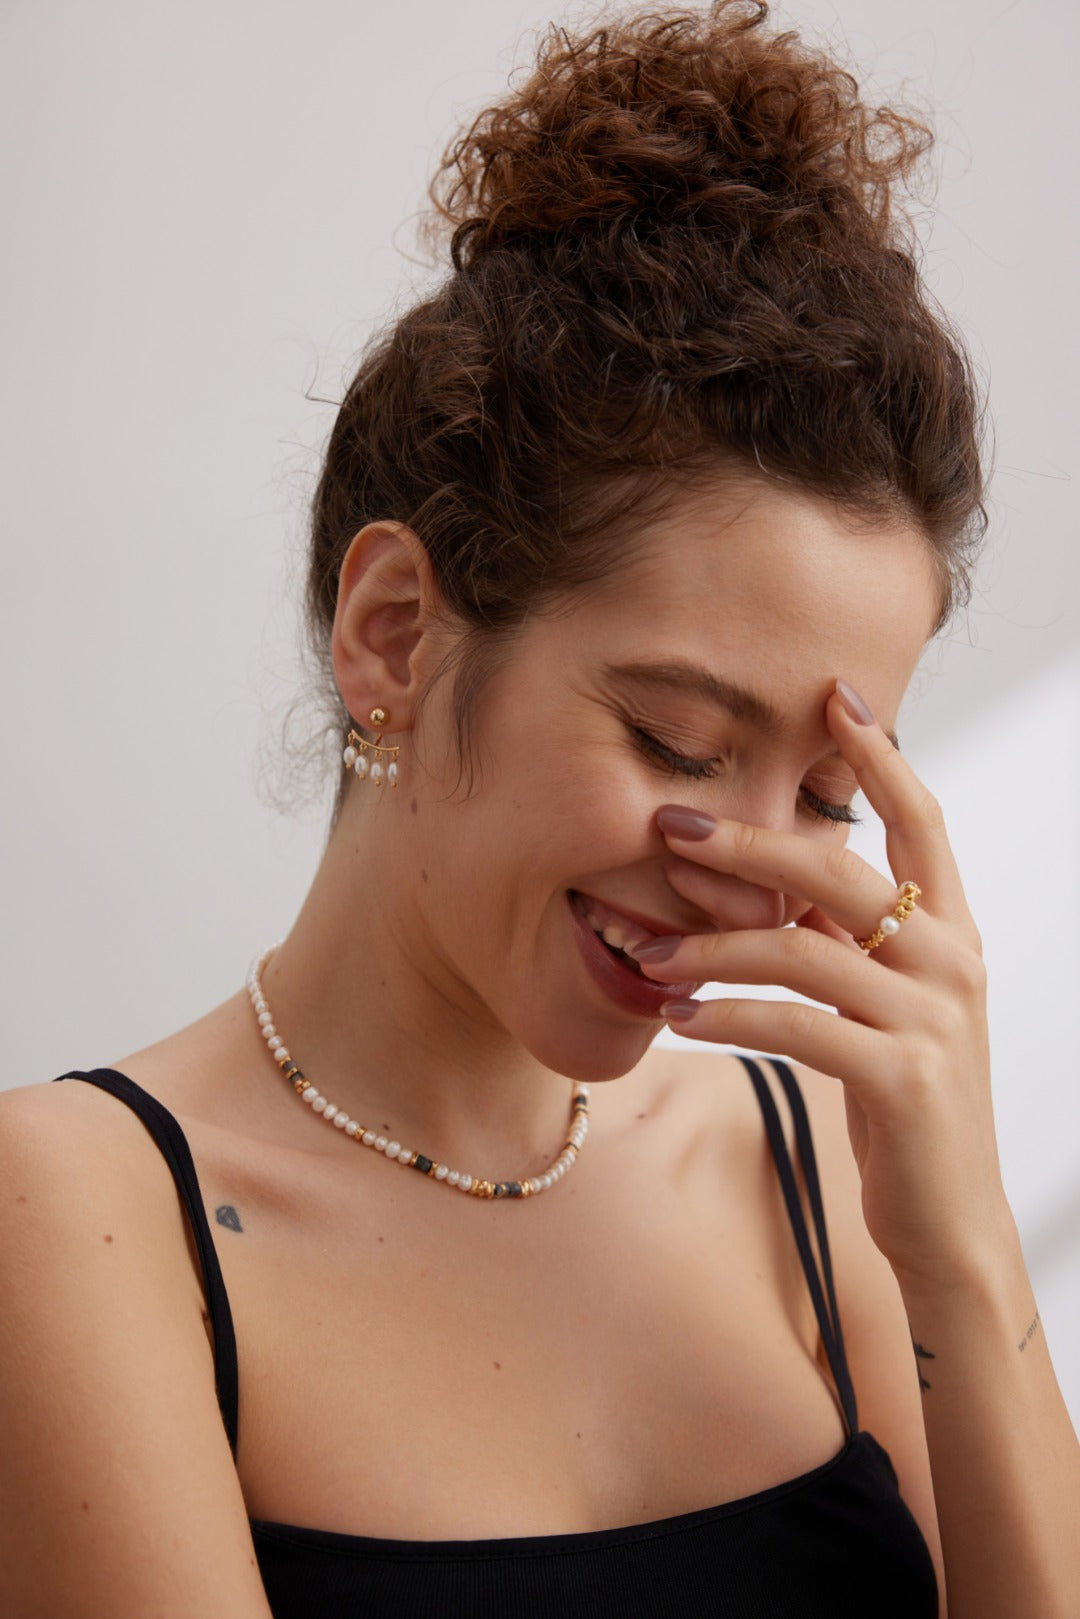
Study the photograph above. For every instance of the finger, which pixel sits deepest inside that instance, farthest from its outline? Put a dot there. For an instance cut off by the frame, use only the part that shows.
(834, 879)
(915, 838)
(799, 959)
(862, 1057)
(816, 920)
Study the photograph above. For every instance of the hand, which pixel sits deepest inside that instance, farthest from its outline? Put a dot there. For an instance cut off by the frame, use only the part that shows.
(910, 1043)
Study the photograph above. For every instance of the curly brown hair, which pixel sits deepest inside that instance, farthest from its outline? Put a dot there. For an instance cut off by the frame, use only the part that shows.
(675, 249)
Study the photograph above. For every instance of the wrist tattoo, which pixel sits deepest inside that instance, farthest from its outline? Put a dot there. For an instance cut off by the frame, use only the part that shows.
(922, 1354)
(1030, 1333)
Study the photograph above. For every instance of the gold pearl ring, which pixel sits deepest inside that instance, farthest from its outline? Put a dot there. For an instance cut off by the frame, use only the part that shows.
(909, 893)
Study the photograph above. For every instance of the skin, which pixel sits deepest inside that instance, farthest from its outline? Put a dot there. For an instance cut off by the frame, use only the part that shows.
(432, 983)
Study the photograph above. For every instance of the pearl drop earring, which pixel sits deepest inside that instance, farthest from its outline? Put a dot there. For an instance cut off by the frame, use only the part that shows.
(382, 763)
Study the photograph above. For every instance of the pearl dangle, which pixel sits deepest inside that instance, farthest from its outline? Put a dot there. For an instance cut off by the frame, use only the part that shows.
(358, 749)
(473, 1184)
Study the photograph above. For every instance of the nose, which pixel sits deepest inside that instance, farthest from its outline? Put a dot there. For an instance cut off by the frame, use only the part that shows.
(730, 902)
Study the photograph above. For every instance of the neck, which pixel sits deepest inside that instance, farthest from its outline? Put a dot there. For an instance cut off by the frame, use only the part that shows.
(387, 1030)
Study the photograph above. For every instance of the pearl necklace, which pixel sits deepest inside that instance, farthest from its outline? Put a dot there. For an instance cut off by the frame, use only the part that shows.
(473, 1184)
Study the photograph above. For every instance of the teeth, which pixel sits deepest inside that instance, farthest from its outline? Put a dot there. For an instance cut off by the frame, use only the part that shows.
(624, 936)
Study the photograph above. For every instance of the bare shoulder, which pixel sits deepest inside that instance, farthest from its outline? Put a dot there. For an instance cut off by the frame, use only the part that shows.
(702, 1084)
(118, 1492)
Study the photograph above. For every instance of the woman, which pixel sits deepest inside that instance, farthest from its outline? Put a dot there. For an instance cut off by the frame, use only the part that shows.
(627, 543)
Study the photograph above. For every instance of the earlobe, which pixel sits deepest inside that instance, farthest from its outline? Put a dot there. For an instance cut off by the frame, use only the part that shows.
(383, 607)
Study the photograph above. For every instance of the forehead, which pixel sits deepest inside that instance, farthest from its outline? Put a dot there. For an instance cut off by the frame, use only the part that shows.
(751, 578)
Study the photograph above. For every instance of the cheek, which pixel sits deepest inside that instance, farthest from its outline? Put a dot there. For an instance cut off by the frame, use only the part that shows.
(581, 809)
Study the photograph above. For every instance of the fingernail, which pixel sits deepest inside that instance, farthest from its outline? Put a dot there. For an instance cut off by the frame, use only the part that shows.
(856, 707)
(658, 949)
(685, 823)
(679, 1011)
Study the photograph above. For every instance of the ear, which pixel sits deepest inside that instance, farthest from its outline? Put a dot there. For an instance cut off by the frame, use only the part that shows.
(384, 620)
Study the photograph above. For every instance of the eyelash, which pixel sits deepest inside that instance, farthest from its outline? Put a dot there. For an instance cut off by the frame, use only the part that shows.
(822, 809)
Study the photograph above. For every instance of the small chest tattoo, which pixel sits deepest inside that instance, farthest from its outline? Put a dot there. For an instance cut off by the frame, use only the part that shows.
(227, 1216)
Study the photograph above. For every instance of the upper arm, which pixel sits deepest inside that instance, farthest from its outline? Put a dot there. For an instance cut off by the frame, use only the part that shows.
(876, 1333)
(118, 1492)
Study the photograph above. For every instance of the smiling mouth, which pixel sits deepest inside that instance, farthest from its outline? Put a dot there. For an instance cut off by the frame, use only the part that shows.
(617, 933)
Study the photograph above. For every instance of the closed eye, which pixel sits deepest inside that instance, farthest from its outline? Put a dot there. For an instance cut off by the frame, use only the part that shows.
(680, 764)
(823, 809)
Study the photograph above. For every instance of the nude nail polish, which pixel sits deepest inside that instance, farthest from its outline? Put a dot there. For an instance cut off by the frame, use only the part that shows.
(685, 823)
(679, 1011)
(659, 949)
(859, 710)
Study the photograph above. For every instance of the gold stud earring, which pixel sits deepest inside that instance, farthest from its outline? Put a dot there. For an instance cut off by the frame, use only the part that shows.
(372, 759)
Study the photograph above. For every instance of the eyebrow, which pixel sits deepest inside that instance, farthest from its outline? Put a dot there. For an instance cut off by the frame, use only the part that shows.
(695, 680)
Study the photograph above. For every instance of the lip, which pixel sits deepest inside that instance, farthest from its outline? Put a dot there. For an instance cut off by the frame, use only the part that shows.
(630, 991)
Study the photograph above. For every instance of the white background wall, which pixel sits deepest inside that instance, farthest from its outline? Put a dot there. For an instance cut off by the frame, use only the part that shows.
(201, 205)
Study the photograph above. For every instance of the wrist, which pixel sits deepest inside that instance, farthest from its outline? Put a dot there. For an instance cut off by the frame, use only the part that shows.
(987, 1265)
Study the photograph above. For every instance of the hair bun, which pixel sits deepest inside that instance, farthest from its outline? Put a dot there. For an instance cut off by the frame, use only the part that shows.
(678, 119)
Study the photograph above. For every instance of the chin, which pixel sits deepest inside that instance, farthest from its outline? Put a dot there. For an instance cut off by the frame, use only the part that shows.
(606, 1055)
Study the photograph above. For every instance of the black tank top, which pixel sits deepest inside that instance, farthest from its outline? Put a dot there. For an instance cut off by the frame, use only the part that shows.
(834, 1543)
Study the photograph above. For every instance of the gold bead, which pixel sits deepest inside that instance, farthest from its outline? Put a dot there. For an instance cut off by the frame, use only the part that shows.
(379, 716)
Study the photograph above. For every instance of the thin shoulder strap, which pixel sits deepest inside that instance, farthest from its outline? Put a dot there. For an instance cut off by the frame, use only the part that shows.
(173, 1146)
(822, 1290)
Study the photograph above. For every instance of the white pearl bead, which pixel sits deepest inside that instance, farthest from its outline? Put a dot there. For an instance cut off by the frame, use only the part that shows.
(391, 772)
(377, 772)
(361, 765)
(889, 924)
(349, 756)
(340, 1119)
